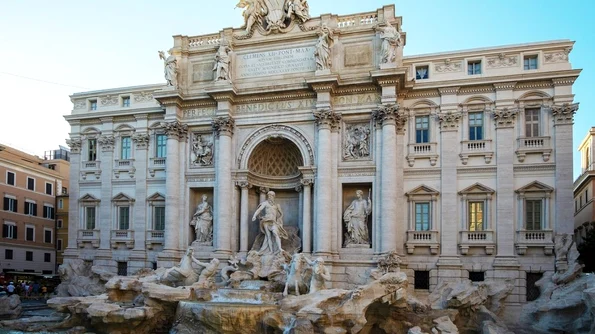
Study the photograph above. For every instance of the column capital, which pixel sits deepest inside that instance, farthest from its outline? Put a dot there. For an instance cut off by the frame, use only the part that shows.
(326, 118)
(107, 143)
(141, 140)
(175, 130)
(299, 188)
(564, 114)
(307, 182)
(75, 145)
(243, 184)
(505, 117)
(223, 125)
(390, 114)
(449, 121)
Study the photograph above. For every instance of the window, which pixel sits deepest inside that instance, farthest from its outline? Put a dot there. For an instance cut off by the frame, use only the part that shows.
(48, 211)
(30, 208)
(47, 272)
(125, 101)
(59, 223)
(530, 62)
(532, 122)
(90, 218)
(9, 231)
(422, 129)
(123, 217)
(122, 269)
(477, 276)
(422, 216)
(421, 72)
(92, 104)
(47, 236)
(31, 184)
(64, 191)
(421, 280)
(10, 178)
(59, 244)
(8, 254)
(49, 189)
(474, 67)
(161, 146)
(92, 149)
(531, 288)
(30, 233)
(47, 257)
(28, 256)
(533, 215)
(476, 216)
(159, 218)
(126, 148)
(476, 126)
(10, 204)
(60, 204)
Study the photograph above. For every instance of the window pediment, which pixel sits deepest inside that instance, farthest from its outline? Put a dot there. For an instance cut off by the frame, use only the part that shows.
(156, 197)
(89, 199)
(422, 190)
(477, 189)
(535, 187)
(121, 197)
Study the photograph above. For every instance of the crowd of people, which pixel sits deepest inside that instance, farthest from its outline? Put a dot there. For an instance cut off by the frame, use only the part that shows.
(27, 290)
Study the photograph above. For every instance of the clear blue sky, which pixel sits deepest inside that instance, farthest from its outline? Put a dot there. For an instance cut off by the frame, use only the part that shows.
(70, 46)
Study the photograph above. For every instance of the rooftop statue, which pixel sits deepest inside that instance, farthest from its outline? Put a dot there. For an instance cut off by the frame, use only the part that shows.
(391, 39)
(170, 68)
(273, 15)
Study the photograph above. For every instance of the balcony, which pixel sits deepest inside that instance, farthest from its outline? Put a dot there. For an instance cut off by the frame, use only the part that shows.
(533, 145)
(90, 168)
(422, 239)
(482, 148)
(422, 151)
(123, 166)
(155, 237)
(88, 236)
(483, 239)
(156, 164)
(540, 239)
(125, 237)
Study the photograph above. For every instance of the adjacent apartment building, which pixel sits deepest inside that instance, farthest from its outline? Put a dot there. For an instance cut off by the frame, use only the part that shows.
(584, 188)
(29, 186)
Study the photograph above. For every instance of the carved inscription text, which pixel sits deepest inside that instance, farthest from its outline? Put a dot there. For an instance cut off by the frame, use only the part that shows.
(275, 62)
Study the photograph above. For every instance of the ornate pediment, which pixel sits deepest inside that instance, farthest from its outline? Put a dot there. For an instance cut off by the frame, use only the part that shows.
(121, 197)
(156, 197)
(534, 187)
(422, 190)
(89, 198)
(477, 188)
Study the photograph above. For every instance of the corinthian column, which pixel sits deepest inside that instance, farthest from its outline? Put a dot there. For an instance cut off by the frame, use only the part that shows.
(306, 215)
(244, 186)
(223, 127)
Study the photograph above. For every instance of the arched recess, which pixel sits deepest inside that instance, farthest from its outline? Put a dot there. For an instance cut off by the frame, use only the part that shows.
(476, 102)
(534, 98)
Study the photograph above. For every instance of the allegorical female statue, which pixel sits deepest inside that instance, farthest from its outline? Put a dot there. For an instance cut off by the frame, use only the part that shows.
(323, 48)
(170, 68)
(356, 220)
(202, 220)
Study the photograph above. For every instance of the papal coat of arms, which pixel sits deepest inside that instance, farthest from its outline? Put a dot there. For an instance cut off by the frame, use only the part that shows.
(273, 15)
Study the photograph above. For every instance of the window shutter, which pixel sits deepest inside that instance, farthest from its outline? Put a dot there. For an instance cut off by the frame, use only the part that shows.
(5, 203)
(16, 235)
(35, 209)
(16, 205)
(4, 231)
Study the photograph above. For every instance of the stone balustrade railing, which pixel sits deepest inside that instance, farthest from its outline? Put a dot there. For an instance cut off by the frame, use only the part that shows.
(154, 237)
(88, 236)
(211, 40)
(349, 21)
(422, 239)
(122, 237)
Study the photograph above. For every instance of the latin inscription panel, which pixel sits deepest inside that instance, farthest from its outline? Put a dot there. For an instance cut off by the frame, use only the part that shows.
(276, 62)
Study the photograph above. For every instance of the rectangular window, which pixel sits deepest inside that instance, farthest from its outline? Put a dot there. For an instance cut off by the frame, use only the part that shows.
(47, 236)
(126, 148)
(10, 204)
(47, 272)
(64, 191)
(90, 218)
(9, 231)
(122, 268)
(421, 72)
(161, 146)
(92, 149)
(60, 204)
(531, 288)
(10, 178)
(476, 126)
(31, 209)
(47, 257)
(477, 276)
(30, 233)
(123, 217)
(422, 129)
(125, 101)
(59, 244)
(92, 105)
(59, 223)
(49, 189)
(476, 216)
(48, 212)
(530, 62)
(28, 256)
(422, 216)
(8, 254)
(159, 218)
(421, 279)
(533, 214)
(474, 67)
(532, 122)
(31, 184)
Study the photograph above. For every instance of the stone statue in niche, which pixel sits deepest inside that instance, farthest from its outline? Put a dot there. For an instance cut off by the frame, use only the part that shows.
(356, 220)
(222, 62)
(202, 220)
(202, 151)
(391, 39)
(357, 142)
(323, 48)
(170, 68)
(271, 225)
(320, 274)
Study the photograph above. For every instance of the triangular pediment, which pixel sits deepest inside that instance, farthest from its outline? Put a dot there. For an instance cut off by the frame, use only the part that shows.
(477, 188)
(156, 197)
(535, 186)
(89, 198)
(422, 190)
(121, 197)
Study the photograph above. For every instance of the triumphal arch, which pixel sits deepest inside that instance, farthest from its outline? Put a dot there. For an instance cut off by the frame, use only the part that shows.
(458, 161)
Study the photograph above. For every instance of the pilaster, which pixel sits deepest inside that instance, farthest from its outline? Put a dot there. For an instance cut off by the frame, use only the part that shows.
(244, 189)
(74, 214)
(141, 223)
(107, 156)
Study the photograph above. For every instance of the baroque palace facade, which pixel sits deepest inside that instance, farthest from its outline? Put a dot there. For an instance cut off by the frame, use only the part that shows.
(465, 156)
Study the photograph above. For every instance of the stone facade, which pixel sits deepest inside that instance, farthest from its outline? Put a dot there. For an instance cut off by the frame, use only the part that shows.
(465, 155)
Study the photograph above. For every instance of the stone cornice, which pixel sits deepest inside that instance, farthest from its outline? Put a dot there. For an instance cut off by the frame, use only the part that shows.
(564, 81)
(355, 89)
(223, 126)
(326, 83)
(256, 98)
(505, 117)
(535, 168)
(425, 93)
(166, 98)
(476, 89)
(422, 171)
(475, 170)
(533, 85)
(448, 90)
(505, 85)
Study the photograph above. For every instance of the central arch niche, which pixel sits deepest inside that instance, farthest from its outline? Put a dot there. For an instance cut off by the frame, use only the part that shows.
(276, 157)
